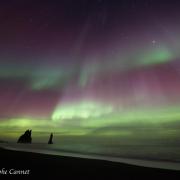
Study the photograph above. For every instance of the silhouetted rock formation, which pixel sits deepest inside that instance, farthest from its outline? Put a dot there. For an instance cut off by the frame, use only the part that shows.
(50, 139)
(26, 137)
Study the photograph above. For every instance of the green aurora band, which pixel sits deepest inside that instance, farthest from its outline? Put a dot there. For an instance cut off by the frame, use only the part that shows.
(83, 117)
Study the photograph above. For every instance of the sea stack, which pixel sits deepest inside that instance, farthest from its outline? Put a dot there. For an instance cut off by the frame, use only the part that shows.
(50, 139)
(26, 137)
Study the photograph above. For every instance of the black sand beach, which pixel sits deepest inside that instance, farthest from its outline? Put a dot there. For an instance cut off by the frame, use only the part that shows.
(41, 165)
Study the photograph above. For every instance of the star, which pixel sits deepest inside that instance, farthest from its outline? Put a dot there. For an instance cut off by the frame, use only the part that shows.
(154, 42)
(46, 25)
(30, 20)
(100, 1)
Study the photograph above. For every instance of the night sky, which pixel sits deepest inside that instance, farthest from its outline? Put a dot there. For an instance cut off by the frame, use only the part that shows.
(76, 67)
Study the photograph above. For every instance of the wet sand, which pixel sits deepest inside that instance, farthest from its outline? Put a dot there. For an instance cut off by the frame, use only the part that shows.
(42, 165)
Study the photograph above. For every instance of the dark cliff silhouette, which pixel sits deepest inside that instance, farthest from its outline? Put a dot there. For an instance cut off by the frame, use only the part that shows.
(26, 137)
(50, 139)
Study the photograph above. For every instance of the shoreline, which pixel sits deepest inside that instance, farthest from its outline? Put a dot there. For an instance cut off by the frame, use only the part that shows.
(159, 164)
(61, 166)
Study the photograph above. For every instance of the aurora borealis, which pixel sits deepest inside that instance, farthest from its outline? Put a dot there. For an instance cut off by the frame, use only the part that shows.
(90, 67)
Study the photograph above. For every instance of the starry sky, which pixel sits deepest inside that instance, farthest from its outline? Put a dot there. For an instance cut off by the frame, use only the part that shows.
(90, 66)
